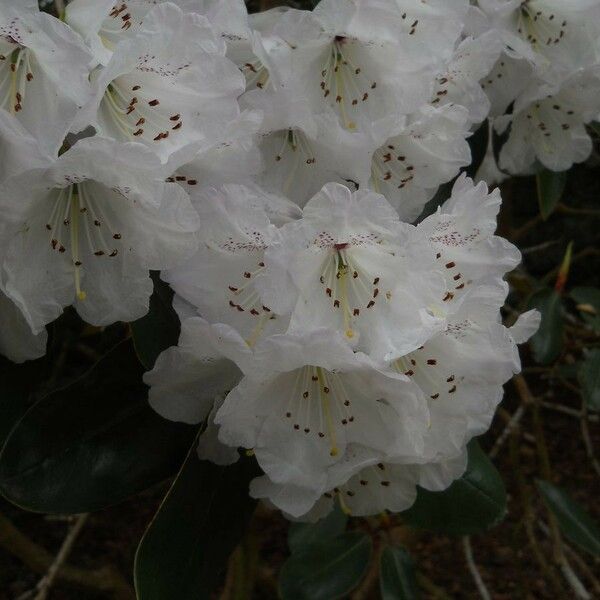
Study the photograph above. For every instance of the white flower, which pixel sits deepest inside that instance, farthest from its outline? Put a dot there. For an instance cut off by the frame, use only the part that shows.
(461, 233)
(230, 157)
(377, 487)
(20, 151)
(547, 32)
(220, 279)
(548, 124)
(188, 377)
(306, 399)
(105, 23)
(87, 228)
(350, 264)
(425, 31)
(302, 151)
(43, 72)
(419, 155)
(459, 82)
(17, 341)
(167, 86)
(460, 373)
(350, 58)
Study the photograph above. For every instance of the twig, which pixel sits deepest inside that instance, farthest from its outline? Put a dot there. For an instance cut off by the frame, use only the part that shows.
(510, 426)
(585, 253)
(483, 591)
(587, 438)
(529, 517)
(366, 588)
(544, 458)
(46, 583)
(39, 560)
(580, 562)
(561, 408)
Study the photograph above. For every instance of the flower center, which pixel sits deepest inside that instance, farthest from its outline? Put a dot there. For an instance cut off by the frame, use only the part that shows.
(294, 151)
(539, 26)
(343, 84)
(138, 115)
(76, 220)
(15, 74)
(429, 373)
(256, 74)
(391, 167)
(350, 289)
(319, 403)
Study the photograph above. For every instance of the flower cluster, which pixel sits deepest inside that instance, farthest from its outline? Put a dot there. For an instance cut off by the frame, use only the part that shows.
(273, 167)
(545, 86)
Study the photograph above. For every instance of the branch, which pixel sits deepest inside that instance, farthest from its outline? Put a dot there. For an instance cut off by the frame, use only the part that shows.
(483, 591)
(39, 560)
(45, 584)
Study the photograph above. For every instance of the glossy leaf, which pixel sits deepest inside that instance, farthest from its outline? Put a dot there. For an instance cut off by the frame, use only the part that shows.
(478, 143)
(301, 535)
(572, 519)
(587, 300)
(547, 343)
(199, 523)
(326, 570)
(472, 504)
(16, 387)
(589, 378)
(92, 443)
(550, 188)
(397, 579)
(159, 328)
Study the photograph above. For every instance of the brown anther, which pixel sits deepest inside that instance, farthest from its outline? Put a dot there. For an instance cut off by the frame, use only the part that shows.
(154, 102)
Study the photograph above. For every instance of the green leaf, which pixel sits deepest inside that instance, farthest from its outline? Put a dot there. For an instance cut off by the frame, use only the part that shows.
(301, 535)
(589, 378)
(16, 389)
(326, 570)
(478, 143)
(588, 304)
(472, 504)
(547, 343)
(397, 575)
(159, 329)
(198, 525)
(92, 443)
(572, 519)
(550, 188)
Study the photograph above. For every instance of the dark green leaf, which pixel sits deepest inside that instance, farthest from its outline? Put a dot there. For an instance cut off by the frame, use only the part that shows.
(301, 535)
(589, 378)
(478, 143)
(397, 575)
(92, 443)
(588, 304)
(326, 570)
(547, 343)
(17, 385)
(499, 139)
(572, 519)
(159, 329)
(550, 188)
(472, 504)
(198, 525)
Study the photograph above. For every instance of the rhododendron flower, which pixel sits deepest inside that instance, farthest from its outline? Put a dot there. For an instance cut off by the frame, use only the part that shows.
(220, 279)
(86, 229)
(548, 124)
(351, 265)
(167, 86)
(43, 72)
(420, 154)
